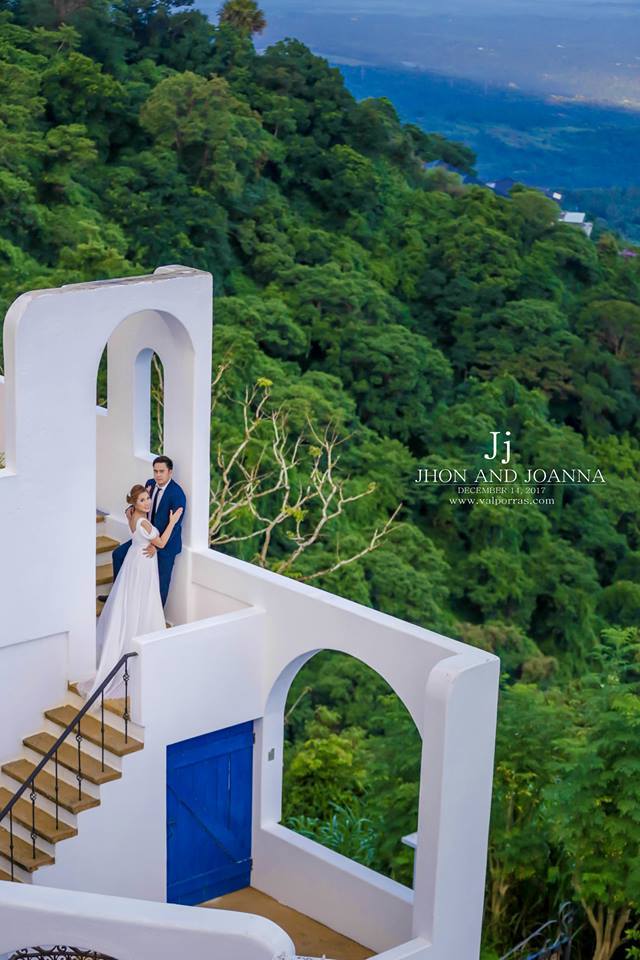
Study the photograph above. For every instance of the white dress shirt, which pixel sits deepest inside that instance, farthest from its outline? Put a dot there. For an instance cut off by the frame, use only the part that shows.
(161, 491)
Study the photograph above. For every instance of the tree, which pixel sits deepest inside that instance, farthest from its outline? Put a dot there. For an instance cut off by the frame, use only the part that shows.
(529, 339)
(521, 854)
(243, 15)
(299, 498)
(592, 804)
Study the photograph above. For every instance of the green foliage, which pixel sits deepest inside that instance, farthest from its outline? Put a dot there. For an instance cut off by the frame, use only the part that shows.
(346, 831)
(417, 315)
(593, 802)
(352, 763)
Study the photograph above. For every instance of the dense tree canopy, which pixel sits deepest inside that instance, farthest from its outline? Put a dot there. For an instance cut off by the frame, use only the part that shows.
(418, 315)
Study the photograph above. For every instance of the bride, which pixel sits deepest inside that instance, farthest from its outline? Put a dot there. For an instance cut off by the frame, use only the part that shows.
(134, 606)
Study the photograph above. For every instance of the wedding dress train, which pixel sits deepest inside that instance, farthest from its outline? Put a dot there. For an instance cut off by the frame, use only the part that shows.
(133, 608)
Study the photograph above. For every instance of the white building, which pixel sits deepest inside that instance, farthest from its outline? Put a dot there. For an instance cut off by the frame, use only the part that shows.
(240, 635)
(576, 219)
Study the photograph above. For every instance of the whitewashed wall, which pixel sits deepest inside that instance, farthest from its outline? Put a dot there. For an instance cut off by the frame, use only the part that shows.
(32, 679)
(2, 415)
(134, 929)
(53, 341)
(237, 663)
(237, 667)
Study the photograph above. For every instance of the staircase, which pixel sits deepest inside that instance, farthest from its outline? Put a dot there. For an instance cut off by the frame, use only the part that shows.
(47, 813)
(104, 566)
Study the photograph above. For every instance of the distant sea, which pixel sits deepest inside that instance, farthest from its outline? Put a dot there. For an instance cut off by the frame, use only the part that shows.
(534, 87)
(544, 142)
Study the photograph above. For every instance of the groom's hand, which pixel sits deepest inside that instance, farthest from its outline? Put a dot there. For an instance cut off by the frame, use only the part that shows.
(150, 550)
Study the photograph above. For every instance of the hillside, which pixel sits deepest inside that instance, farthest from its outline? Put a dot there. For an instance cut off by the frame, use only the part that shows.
(417, 317)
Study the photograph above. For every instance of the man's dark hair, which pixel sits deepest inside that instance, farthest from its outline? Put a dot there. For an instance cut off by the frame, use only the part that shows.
(163, 459)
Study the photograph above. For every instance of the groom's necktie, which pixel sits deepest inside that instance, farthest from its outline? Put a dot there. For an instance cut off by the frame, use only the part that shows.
(155, 503)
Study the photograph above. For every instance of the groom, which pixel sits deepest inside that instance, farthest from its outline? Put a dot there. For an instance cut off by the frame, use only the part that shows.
(166, 495)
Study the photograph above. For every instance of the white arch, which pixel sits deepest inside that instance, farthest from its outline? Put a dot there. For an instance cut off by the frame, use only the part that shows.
(53, 342)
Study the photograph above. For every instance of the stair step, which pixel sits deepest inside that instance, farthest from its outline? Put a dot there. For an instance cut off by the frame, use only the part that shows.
(113, 706)
(104, 574)
(68, 799)
(106, 544)
(23, 852)
(68, 758)
(99, 607)
(45, 823)
(114, 740)
(7, 876)
(100, 517)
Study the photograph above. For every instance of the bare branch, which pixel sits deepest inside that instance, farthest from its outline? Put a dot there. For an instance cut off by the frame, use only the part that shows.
(375, 541)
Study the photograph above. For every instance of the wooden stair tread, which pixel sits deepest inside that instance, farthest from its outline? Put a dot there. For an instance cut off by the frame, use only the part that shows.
(99, 607)
(106, 544)
(68, 798)
(68, 758)
(45, 823)
(114, 740)
(23, 852)
(100, 517)
(113, 706)
(7, 877)
(104, 574)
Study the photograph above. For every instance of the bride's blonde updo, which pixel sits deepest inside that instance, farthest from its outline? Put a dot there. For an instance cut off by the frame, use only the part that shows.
(134, 493)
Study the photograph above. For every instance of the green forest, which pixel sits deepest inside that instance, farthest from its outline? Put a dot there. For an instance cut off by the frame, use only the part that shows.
(372, 319)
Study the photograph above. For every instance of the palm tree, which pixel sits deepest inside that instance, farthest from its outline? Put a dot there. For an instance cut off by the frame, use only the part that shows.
(245, 15)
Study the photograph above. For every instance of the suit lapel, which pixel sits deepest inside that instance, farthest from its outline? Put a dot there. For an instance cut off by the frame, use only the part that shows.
(163, 506)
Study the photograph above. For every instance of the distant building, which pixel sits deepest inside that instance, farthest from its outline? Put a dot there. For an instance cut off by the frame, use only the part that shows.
(503, 187)
(552, 194)
(577, 219)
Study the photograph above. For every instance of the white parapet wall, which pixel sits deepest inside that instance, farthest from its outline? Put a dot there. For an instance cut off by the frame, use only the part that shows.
(2, 441)
(238, 666)
(241, 634)
(133, 929)
(33, 678)
(53, 341)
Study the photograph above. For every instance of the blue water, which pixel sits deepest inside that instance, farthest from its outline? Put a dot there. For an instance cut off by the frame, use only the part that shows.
(564, 145)
(545, 91)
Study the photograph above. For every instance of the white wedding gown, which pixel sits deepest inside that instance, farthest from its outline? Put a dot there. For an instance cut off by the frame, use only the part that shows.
(133, 607)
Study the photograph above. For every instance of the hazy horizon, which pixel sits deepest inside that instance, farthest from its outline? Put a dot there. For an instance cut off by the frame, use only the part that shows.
(584, 51)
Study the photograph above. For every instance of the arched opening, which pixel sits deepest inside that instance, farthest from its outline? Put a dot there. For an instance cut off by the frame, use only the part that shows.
(101, 382)
(149, 410)
(156, 402)
(351, 764)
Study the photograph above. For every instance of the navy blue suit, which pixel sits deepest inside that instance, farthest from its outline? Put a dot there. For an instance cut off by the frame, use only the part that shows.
(172, 498)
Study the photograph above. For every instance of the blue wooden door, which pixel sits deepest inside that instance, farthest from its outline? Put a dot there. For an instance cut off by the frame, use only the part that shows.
(209, 782)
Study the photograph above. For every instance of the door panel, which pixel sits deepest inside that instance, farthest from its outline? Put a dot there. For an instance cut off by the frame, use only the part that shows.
(209, 787)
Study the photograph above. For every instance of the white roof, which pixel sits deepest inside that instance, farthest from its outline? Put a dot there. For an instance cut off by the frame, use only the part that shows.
(569, 217)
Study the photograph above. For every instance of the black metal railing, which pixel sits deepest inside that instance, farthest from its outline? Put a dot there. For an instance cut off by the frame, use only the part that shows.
(52, 754)
(551, 941)
(57, 953)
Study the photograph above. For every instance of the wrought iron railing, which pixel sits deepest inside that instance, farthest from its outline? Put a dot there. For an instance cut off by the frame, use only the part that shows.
(56, 953)
(551, 941)
(52, 754)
